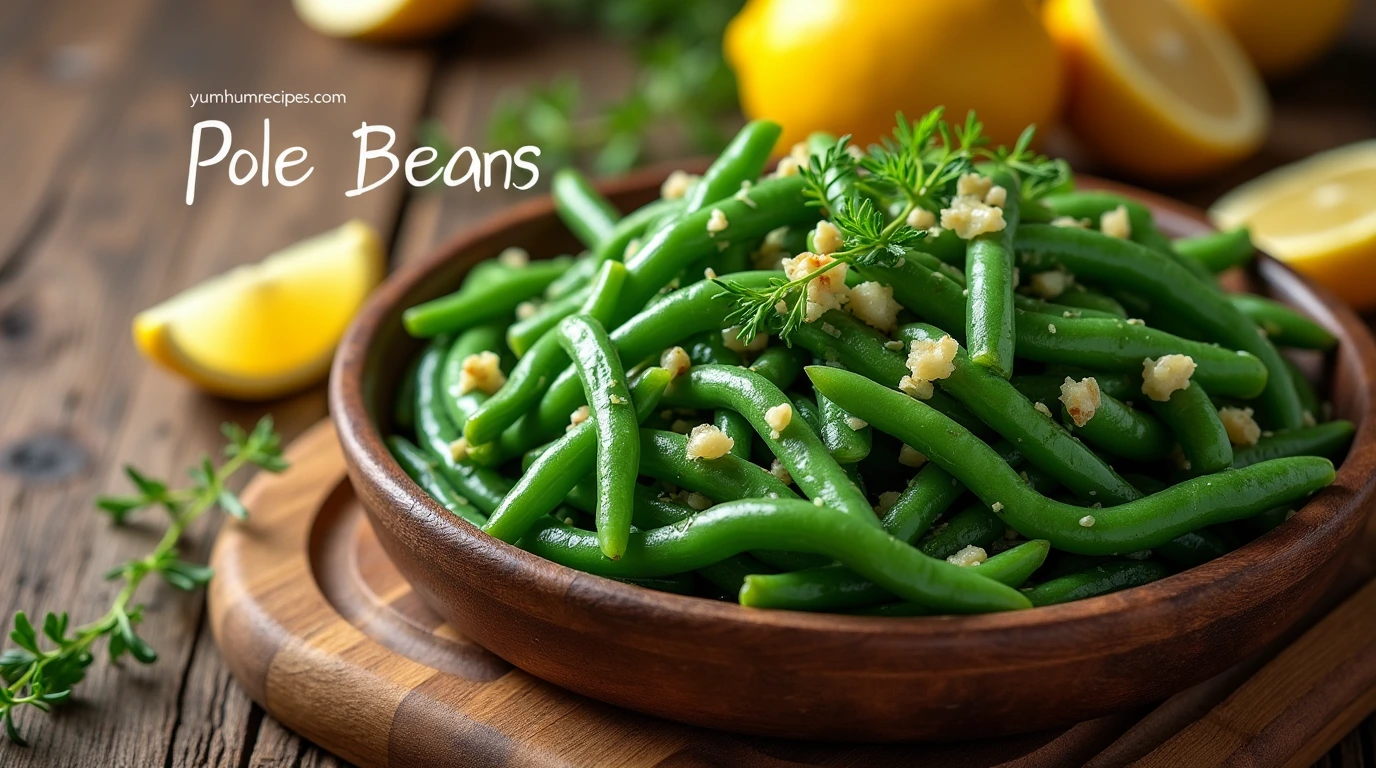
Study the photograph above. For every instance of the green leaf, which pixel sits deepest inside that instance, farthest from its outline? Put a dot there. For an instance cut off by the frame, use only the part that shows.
(140, 650)
(197, 574)
(152, 490)
(55, 627)
(58, 697)
(119, 507)
(11, 731)
(23, 634)
(231, 504)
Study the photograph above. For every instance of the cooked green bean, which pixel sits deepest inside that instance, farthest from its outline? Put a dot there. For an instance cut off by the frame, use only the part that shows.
(973, 526)
(792, 524)
(459, 405)
(780, 365)
(741, 161)
(1191, 549)
(1327, 439)
(587, 214)
(1122, 431)
(1099, 580)
(1142, 226)
(1081, 298)
(989, 288)
(418, 465)
(1283, 326)
(845, 438)
(1218, 251)
(1170, 287)
(1039, 438)
(613, 248)
(664, 457)
(1191, 416)
(495, 298)
(1129, 527)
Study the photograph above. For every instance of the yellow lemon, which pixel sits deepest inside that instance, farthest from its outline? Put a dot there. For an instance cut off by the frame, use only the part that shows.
(1157, 89)
(383, 20)
(1280, 35)
(846, 66)
(1318, 216)
(266, 329)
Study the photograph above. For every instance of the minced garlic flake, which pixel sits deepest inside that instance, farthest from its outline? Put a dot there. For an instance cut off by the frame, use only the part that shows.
(1115, 223)
(579, 415)
(921, 218)
(971, 217)
(909, 456)
(831, 330)
(1070, 221)
(1081, 399)
(1241, 427)
(887, 499)
(1050, 284)
(458, 450)
(974, 185)
(513, 257)
(675, 360)
(1087, 521)
(786, 167)
(526, 310)
(681, 426)
(617, 400)
(1041, 408)
(777, 469)
(817, 502)
(697, 501)
(730, 338)
(825, 291)
(997, 506)
(968, 557)
(677, 185)
(1051, 328)
(893, 345)
(706, 441)
(483, 372)
(996, 196)
(873, 303)
(778, 418)
(743, 195)
(826, 238)
(716, 222)
(1136, 321)
(856, 424)
(1166, 374)
(928, 361)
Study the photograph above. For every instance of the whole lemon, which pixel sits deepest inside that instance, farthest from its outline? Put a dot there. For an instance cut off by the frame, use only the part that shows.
(846, 66)
(1280, 36)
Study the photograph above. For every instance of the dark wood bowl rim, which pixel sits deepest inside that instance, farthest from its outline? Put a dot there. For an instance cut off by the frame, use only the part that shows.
(1331, 515)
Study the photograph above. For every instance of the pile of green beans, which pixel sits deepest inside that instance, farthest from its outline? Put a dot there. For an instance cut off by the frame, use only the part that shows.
(599, 410)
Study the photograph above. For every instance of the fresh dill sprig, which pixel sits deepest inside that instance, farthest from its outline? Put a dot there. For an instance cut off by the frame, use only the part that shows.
(43, 677)
(1040, 175)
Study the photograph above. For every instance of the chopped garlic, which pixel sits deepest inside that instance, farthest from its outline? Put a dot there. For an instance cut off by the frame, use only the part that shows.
(928, 361)
(856, 424)
(1041, 408)
(799, 152)
(677, 185)
(709, 274)
(771, 251)
(997, 506)
(1081, 399)
(708, 442)
(827, 290)
(681, 426)
(579, 415)
(887, 499)
(970, 217)
(786, 167)
(730, 338)
(1050, 284)
(1166, 374)
(716, 222)
(831, 330)
(777, 469)
(482, 372)
(697, 501)
(1136, 321)
(921, 218)
(909, 456)
(1051, 328)
(1307, 418)
(743, 194)
(826, 238)
(1070, 221)
(778, 418)
(1115, 223)
(513, 257)
(1241, 427)
(893, 345)
(968, 557)
(632, 248)
(873, 303)
(458, 450)
(974, 185)
(676, 361)
(617, 400)
(1087, 521)
(996, 196)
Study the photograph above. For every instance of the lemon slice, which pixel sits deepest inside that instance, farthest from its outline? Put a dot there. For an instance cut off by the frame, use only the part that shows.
(266, 329)
(381, 19)
(1318, 216)
(1158, 89)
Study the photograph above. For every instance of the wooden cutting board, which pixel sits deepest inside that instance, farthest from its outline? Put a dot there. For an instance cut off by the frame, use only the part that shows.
(321, 630)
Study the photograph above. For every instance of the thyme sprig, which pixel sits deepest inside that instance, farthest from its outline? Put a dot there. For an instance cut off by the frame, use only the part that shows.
(40, 677)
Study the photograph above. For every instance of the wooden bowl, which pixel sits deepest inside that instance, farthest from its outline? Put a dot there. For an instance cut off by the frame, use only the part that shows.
(817, 676)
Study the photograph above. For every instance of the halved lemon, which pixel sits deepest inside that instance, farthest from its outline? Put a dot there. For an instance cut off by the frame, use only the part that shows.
(389, 20)
(267, 329)
(1318, 216)
(1157, 88)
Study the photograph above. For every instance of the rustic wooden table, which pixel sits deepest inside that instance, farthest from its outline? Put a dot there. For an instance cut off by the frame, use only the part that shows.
(94, 134)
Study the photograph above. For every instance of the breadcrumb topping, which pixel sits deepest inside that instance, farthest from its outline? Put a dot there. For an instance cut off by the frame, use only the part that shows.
(708, 442)
(1166, 374)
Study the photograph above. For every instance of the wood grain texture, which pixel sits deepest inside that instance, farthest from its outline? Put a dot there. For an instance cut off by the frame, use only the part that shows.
(317, 622)
(799, 675)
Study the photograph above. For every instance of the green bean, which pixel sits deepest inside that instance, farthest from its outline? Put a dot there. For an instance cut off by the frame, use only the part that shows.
(931, 492)
(742, 160)
(1304, 390)
(615, 423)
(1043, 307)
(1191, 549)
(1099, 580)
(1100, 344)
(710, 349)
(1218, 251)
(844, 442)
(836, 587)
(1170, 289)
(587, 214)
(796, 525)
(1124, 386)
(493, 299)
(946, 246)
(533, 371)
(1283, 326)
(459, 405)
(1093, 205)
(801, 452)
(1122, 431)
(1191, 416)
(436, 434)
(664, 457)
(562, 465)
(678, 584)
(864, 350)
(780, 365)
(989, 280)
(421, 469)
(974, 525)
(805, 408)
(613, 248)
(1327, 439)
(524, 334)
(1040, 439)
(1081, 298)
(404, 402)
(736, 427)
(1129, 527)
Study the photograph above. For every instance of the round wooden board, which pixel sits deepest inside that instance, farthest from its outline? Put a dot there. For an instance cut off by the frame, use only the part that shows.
(323, 632)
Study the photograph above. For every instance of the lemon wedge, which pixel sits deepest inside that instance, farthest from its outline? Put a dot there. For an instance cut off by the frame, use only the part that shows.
(267, 329)
(1157, 88)
(389, 20)
(1318, 216)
